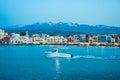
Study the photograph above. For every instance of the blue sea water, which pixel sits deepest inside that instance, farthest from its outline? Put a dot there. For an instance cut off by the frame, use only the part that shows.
(88, 63)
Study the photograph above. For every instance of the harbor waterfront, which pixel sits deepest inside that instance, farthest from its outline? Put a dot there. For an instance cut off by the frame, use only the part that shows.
(24, 38)
(29, 62)
(59, 39)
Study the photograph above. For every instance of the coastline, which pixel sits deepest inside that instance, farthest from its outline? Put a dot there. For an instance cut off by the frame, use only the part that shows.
(71, 44)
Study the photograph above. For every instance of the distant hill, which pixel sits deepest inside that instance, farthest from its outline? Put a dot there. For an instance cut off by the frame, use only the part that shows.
(63, 29)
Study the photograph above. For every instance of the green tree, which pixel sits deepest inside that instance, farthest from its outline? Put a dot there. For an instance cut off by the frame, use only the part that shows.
(52, 35)
(23, 34)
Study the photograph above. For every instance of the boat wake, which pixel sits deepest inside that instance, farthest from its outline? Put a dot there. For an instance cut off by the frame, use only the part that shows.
(95, 57)
(63, 48)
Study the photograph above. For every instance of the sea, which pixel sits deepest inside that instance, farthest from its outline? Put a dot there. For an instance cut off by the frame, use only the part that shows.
(29, 62)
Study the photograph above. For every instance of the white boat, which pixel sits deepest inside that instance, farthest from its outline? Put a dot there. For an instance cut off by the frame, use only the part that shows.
(56, 54)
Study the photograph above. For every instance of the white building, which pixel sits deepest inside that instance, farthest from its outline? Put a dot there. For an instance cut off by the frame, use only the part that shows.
(44, 38)
(2, 34)
(36, 37)
(15, 39)
(56, 39)
(25, 39)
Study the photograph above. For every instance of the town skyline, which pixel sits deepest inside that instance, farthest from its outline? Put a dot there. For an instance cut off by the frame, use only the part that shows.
(24, 38)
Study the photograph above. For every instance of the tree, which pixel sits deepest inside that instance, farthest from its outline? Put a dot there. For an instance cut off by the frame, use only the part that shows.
(23, 34)
(52, 35)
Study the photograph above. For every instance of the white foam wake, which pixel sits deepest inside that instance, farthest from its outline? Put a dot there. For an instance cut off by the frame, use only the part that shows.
(95, 57)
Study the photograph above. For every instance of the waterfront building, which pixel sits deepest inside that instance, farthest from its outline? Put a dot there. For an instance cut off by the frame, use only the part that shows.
(94, 38)
(102, 38)
(87, 37)
(76, 38)
(6, 40)
(70, 39)
(65, 40)
(30, 40)
(15, 36)
(117, 39)
(25, 38)
(44, 37)
(90, 39)
(2, 35)
(36, 37)
(84, 37)
(51, 39)
(56, 39)
(15, 39)
(60, 38)
(108, 39)
(112, 38)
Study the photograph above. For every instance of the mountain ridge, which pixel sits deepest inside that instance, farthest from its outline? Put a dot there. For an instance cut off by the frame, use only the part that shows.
(62, 28)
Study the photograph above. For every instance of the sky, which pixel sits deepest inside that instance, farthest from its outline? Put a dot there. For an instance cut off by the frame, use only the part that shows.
(91, 12)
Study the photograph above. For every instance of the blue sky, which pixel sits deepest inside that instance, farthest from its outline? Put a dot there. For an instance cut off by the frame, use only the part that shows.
(91, 12)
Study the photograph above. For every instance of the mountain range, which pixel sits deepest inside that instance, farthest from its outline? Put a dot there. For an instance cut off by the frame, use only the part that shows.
(63, 29)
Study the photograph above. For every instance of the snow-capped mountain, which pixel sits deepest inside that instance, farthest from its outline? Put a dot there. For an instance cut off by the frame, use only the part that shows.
(64, 28)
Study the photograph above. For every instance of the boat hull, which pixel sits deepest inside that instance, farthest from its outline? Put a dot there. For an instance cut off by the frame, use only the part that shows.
(59, 55)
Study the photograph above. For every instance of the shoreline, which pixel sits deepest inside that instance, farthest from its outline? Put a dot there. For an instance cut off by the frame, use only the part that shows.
(70, 44)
